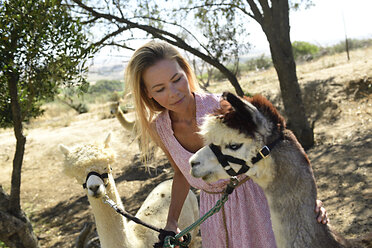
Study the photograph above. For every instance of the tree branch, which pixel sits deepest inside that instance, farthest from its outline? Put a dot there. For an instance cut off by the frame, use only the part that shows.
(171, 39)
(257, 15)
(229, 5)
(157, 33)
(113, 34)
(118, 45)
(90, 21)
(177, 25)
(265, 6)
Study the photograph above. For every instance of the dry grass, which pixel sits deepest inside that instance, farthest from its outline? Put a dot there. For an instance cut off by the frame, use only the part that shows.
(337, 96)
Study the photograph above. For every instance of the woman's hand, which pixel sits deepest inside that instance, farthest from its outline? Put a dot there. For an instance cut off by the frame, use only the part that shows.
(322, 212)
(173, 227)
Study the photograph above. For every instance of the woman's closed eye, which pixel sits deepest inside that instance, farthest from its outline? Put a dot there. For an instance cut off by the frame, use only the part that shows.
(158, 90)
(177, 79)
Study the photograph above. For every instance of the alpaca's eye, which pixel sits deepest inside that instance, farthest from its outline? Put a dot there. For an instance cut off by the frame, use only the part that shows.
(234, 146)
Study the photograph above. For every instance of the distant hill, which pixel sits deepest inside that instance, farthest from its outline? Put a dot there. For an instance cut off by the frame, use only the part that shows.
(108, 71)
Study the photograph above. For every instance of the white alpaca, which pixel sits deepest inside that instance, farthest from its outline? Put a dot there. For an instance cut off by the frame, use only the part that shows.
(115, 110)
(130, 126)
(89, 164)
(241, 133)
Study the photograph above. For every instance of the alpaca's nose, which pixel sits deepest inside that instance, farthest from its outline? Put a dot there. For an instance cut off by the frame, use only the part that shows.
(194, 163)
(94, 188)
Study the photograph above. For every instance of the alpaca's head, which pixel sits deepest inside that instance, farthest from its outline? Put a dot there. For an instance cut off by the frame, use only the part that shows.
(114, 108)
(89, 164)
(240, 129)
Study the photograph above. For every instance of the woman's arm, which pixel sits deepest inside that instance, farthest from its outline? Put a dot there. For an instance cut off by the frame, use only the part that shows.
(180, 189)
(180, 186)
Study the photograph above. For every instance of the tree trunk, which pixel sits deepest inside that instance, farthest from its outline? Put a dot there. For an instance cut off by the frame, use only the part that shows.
(15, 231)
(276, 27)
(14, 202)
(15, 228)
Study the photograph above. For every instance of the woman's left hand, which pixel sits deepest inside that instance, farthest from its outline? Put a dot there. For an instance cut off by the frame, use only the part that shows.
(322, 212)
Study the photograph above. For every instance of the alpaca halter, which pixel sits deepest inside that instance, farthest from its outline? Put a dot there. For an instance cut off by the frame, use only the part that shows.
(225, 159)
(102, 176)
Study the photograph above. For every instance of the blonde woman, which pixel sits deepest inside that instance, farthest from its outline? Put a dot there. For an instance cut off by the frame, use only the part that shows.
(169, 108)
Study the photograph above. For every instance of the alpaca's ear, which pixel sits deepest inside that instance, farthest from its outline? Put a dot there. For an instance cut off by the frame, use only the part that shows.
(64, 149)
(263, 126)
(107, 141)
(248, 110)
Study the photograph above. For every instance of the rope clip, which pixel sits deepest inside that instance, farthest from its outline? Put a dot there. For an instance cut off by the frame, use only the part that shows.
(231, 185)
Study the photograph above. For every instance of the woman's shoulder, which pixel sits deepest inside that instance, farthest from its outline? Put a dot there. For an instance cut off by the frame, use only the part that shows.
(161, 116)
(209, 97)
(207, 103)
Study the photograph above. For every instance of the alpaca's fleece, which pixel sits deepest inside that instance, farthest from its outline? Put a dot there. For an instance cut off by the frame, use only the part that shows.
(83, 159)
(114, 230)
(285, 175)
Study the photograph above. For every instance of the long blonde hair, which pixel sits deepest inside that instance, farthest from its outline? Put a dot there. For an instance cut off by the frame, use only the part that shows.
(146, 108)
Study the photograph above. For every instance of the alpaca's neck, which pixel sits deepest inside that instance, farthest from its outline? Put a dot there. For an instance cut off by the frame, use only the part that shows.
(110, 225)
(291, 198)
(123, 121)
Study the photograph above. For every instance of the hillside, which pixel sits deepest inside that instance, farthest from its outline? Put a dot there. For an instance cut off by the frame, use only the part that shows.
(338, 99)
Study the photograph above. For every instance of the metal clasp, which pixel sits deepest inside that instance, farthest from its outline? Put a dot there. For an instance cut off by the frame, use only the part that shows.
(264, 152)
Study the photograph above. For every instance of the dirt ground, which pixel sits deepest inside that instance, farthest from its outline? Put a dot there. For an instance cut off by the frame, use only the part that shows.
(338, 100)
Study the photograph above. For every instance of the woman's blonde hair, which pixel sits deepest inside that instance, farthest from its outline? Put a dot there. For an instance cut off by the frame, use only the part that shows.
(147, 108)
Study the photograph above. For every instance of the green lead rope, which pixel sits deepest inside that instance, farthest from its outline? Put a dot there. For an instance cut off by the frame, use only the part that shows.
(170, 241)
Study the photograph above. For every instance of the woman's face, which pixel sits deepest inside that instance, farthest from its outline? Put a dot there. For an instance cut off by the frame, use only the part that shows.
(167, 83)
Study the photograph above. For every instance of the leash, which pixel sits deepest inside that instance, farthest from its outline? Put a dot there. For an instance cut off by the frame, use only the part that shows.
(127, 215)
(162, 233)
(171, 241)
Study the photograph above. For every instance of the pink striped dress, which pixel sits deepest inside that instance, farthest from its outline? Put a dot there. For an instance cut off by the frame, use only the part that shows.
(244, 222)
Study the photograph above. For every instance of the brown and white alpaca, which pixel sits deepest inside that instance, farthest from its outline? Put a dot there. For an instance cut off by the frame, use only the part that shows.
(238, 136)
(91, 165)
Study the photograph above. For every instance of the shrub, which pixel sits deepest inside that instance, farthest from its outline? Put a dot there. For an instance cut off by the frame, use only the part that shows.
(218, 75)
(352, 43)
(304, 50)
(104, 86)
(260, 63)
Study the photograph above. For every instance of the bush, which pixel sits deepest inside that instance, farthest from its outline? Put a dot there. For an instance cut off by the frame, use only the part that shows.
(218, 75)
(104, 86)
(304, 50)
(259, 63)
(352, 43)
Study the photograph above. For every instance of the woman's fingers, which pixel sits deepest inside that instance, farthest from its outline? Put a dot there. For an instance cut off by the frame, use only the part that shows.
(322, 212)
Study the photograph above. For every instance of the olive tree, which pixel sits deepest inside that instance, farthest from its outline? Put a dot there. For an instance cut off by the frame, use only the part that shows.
(42, 47)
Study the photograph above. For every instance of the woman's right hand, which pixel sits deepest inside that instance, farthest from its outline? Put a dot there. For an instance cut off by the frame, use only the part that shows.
(173, 226)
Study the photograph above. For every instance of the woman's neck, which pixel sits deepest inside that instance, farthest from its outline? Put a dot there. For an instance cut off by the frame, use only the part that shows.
(188, 115)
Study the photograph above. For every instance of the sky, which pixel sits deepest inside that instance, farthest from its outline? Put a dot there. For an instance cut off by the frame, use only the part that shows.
(324, 24)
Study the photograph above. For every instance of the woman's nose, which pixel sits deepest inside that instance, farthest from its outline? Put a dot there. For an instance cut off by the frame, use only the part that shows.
(173, 90)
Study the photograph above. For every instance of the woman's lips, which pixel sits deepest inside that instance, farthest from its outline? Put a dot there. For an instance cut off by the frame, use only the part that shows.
(179, 101)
